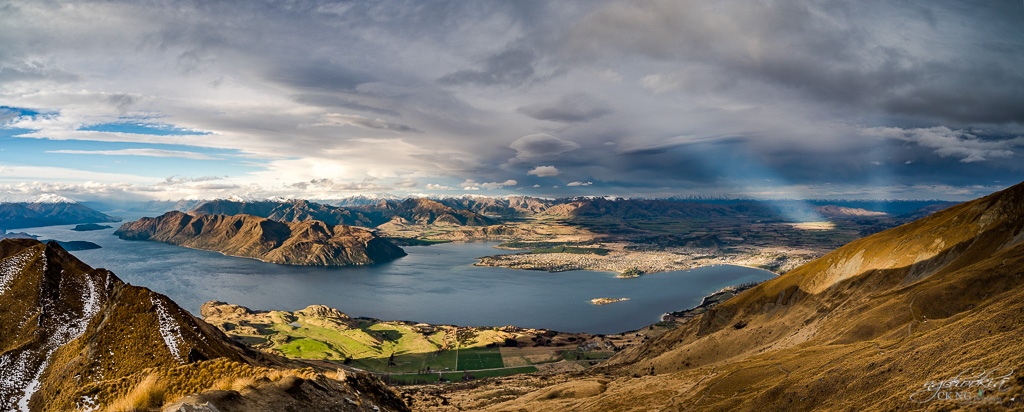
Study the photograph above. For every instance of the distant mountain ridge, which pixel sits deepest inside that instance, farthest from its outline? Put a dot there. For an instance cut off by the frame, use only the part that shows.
(423, 211)
(25, 214)
(509, 206)
(289, 211)
(525, 206)
(308, 242)
(417, 211)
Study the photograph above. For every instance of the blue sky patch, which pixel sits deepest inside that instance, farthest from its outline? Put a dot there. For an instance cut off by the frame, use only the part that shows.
(138, 159)
(135, 127)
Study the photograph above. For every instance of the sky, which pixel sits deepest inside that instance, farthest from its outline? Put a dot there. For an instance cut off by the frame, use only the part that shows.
(328, 99)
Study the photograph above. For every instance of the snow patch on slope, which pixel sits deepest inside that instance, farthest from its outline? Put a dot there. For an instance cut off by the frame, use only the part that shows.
(66, 327)
(168, 329)
(11, 267)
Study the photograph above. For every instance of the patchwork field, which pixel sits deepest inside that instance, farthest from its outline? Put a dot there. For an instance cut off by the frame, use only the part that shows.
(408, 351)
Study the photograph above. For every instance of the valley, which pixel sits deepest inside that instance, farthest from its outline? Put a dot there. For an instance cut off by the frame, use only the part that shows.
(437, 366)
(511, 206)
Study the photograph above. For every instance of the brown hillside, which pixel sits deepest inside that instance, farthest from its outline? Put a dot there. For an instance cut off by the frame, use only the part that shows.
(75, 338)
(298, 243)
(862, 328)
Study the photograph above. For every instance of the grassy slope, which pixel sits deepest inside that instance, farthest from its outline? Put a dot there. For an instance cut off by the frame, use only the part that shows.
(861, 328)
(120, 346)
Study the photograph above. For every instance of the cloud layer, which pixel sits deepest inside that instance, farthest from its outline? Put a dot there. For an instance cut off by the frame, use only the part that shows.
(622, 97)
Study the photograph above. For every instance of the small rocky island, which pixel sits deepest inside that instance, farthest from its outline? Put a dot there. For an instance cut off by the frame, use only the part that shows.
(631, 273)
(89, 226)
(605, 301)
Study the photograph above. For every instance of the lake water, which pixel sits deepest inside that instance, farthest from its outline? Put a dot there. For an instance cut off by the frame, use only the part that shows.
(434, 284)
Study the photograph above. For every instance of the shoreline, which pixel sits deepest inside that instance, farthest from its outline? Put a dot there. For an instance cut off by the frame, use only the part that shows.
(617, 273)
(709, 301)
(623, 261)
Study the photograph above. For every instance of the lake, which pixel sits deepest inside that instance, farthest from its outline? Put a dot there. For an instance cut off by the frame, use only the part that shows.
(434, 284)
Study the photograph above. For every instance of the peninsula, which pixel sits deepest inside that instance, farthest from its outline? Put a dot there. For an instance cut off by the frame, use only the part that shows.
(311, 242)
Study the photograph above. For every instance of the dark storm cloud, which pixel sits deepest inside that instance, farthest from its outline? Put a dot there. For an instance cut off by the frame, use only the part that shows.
(512, 67)
(573, 107)
(541, 146)
(943, 60)
(319, 76)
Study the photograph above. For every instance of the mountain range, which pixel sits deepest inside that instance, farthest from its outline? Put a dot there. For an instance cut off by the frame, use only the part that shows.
(289, 211)
(409, 211)
(422, 211)
(296, 243)
(31, 214)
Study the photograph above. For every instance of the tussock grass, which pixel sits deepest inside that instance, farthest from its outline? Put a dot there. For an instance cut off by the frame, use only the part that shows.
(149, 393)
(234, 383)
(157, 386)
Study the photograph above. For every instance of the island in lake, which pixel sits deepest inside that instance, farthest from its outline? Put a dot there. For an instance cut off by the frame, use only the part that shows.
(90, 226)
(605, 301)
(74, 245)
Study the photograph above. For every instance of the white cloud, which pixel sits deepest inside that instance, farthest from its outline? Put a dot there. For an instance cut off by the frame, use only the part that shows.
(471, 184)
(947, 142)
(11, 173)
(572, 184)
(495, 185)
(433, 186)
(544, 171)
(179, 180)
(140, 152)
